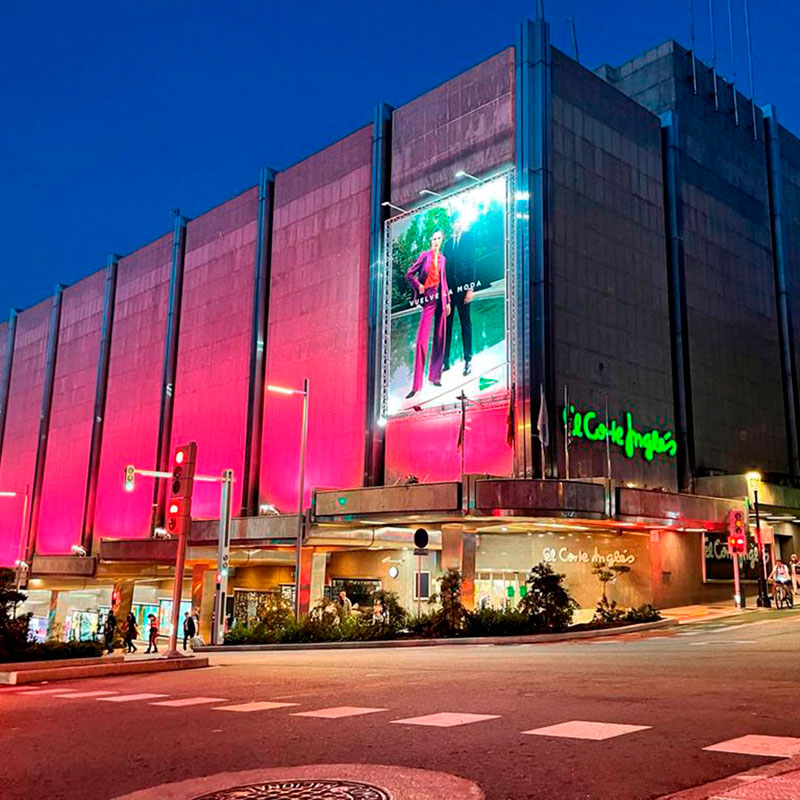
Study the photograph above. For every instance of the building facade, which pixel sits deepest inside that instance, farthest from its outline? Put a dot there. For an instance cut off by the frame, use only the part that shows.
(584, 372)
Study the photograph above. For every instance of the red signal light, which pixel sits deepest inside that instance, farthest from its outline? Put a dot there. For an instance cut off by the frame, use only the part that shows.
(174, 508)
(180, 456)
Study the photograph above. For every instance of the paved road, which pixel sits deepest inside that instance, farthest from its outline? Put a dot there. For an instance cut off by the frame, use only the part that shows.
(677, 691)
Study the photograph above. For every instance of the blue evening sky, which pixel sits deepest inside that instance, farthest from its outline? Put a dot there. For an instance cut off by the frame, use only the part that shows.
(115, 113)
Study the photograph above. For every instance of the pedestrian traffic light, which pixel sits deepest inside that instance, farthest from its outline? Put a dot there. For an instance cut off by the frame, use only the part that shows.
(130, 474)
(737, 532)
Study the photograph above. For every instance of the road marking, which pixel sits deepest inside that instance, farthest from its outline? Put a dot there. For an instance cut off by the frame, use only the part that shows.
(337, 712)
(445, 719)
(581, 729)
(98, 693)
(46, 691)
(689, 633)
(757, 745)
(246, 707)
(189, 701)
(129, 698)
(729, 628)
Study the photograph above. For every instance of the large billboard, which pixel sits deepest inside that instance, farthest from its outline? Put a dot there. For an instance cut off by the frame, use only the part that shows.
(446, 310)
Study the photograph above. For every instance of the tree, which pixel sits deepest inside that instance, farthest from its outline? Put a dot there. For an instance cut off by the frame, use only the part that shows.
(547, 603)
(13, 630)
(606, 573)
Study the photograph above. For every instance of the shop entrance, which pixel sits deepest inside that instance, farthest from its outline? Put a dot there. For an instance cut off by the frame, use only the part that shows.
(499, 589)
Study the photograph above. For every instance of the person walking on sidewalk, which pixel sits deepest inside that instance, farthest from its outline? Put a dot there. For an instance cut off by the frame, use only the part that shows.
(109, 628)
(152, 640)
(131, 633)
(189, 629)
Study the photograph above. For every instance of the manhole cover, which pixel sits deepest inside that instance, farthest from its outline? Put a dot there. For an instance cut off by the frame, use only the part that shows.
(300, 790)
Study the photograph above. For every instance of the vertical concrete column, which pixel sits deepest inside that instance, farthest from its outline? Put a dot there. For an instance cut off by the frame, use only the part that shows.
(791, 404)
(676, 270)
(169, 367)
(655, 568)
(312, 578)
(452, 541)
(5, 379)
(44, 422)
(459, 550)
(98, 418)
(380, 182)
(534, 360)
(52, 614)
(123, 599)
(258, 337)
(206, 604)
(198, 578)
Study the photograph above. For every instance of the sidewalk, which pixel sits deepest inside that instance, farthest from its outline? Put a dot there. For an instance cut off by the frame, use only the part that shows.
(779, 781)
(685, 615)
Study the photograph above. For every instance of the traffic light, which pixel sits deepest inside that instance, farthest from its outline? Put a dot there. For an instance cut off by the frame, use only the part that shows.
(179, 503)
(130, 474)
(737, 533)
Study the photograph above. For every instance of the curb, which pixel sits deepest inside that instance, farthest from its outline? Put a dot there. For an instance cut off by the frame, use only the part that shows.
(24, 666)
(536, 638)
(710, 791)
(102, 670)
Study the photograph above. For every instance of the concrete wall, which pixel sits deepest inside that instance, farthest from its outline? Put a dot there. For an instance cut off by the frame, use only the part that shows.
(732, 328)
(130, 435)
(319, 295)
(212, 376)
(22, 422)
(609, 268)
(467, 123)
(64, 486)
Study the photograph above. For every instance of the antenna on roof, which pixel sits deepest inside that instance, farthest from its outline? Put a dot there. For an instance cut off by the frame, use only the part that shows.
(571, 21)
(713, 52)
(691, 36)
(750, 66)
(733, 62)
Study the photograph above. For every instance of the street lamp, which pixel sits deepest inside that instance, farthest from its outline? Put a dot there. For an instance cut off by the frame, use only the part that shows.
(753, 479)
(464, 174)
(304, 436)
(430, 192)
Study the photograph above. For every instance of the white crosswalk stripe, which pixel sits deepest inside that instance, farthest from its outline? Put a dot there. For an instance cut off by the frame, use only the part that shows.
(583, 729)
(73, 695)
(189, 701)
(337, 712)
(445, 719)
(256, 706)
(757, 745)
(129, 698)
(47, 691)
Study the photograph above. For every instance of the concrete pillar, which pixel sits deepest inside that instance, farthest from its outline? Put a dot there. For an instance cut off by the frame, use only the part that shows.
(312, 578)
(459, 550)
(122, 599)
(207, 579)
(52, 619)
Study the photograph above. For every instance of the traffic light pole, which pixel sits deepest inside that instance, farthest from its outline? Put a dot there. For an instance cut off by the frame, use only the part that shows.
(763, 595)
(177, 593)
(737, 583)
(223, 554)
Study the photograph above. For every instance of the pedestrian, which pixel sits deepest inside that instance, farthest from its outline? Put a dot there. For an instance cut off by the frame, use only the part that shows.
(345, 605)
(152, 641)
(794, 567)
(189, 629)
(378, 612)
(109, 628)
(131, 633)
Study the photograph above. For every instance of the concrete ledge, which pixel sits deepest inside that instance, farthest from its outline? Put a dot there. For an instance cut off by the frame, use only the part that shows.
(102, 670)
(535, 638)
(21, 666)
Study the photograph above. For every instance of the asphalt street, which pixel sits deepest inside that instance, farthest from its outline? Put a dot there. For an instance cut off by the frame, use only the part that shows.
(677, 691)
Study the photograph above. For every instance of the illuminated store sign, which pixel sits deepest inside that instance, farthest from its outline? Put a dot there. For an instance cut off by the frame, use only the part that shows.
(588, 425)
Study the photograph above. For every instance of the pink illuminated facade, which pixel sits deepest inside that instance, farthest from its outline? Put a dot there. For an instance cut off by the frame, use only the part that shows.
(310, 275)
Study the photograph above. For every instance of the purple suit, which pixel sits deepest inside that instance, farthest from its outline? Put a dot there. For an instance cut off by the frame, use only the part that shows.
(434, 303)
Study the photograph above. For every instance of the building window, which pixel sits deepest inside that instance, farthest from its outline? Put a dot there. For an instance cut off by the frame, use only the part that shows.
(422, 585)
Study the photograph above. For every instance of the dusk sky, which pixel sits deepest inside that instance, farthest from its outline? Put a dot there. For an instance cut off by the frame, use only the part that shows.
(114, 114)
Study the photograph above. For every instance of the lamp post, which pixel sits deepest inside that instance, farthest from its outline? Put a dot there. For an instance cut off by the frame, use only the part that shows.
(303, 439)
(763, 596)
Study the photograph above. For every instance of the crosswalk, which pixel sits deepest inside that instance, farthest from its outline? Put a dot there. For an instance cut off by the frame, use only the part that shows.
(578, 729)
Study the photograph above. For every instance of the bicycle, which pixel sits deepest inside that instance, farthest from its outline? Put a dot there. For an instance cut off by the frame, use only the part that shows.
(783, 596)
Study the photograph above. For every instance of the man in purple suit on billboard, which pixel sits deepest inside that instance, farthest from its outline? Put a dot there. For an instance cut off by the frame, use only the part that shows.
(427, 277)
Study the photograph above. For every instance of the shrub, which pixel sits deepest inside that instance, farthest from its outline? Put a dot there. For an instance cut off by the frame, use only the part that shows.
(547, 604)
(496, 622)
(50, 651)
(13, 631)
(643, 613)
(607, 613)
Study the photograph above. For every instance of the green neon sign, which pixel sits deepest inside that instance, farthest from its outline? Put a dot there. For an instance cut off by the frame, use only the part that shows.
(585, 425)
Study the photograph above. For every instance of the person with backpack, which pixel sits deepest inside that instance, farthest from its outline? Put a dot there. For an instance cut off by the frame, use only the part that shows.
(109, 628)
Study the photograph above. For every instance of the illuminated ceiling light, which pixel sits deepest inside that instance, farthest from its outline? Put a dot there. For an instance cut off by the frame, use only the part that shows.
(753, 475)
(78, 550)
(8, 494)
(393, 572)
(381, 422)
(430, 192)
(387, 204)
